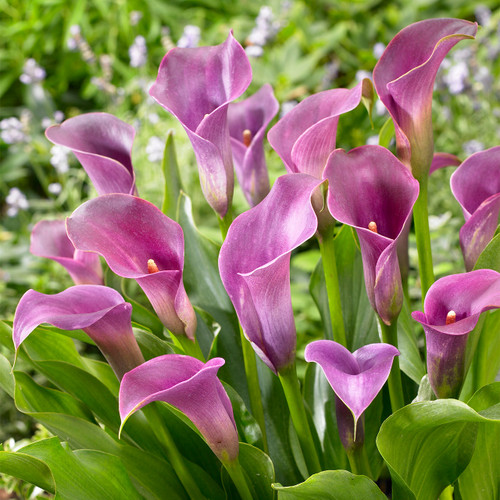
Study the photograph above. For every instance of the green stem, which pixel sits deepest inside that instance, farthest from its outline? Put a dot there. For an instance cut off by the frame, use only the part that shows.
(188, 346)
(291, 388)
(358, 460)
(225, 222)
(421, 220)
(447, 493)
(390, 336)
(171, 451)
(327, 248)
(253, 386)
(236, 473)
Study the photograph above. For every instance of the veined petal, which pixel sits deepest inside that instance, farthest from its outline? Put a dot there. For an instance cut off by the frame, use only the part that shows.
(103, 145)
(254, 265)
(50, 240)
(100, 311)
(193, 388)
(128, 232)
(306, 135)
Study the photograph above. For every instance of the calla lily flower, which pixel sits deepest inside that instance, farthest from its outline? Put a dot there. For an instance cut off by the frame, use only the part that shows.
(442, 160)
(103, 145)
(476, 186)
(355, 378)
(404, 79)
(306, 135)
(196, 85)
(254, 265)
(452, 308)
(248, 120)
(99, 311)
(138, 241)
(193, 388)
(372, 191)
(50, 240)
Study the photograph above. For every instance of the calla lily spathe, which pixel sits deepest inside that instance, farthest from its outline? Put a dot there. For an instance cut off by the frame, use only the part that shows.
(196, 85)
(404, 79)
(50, 240)
(452, 308)
(99, 311)
(138, 241)
(254, 265)
(248, 120)
(372, 191)
(193, 388)
(476, 186)
(103, 145)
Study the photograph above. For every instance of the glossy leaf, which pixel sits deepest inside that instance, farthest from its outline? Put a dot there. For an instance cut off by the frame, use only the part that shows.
(6, 377)
(172, 185)
(490, 256)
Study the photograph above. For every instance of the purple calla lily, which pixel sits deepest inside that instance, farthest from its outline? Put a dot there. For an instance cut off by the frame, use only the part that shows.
(355, 378)
(248, 120)
(476, 186)
(99, 311)
(50, 240)
(442, 160)
(103, 145)
(193, 388)
(306, 135)
(452, 308)
(254, 265)
(196, 85)
(372, 191)
(138, 241)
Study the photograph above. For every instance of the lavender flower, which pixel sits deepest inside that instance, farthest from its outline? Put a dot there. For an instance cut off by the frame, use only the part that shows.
(16, 200)
(154, 149)
(60, 158)
(135, 17)
(12, 131)
(190, 37)
(138, 52)
(266, 28)
(32, 72)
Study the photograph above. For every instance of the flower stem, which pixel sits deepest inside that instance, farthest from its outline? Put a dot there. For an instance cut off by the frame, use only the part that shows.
(447, 493)
(327, 249)
(421, 220)
(236, 473)
(225, 222)
(253, 386)
(358, 460)
(171, 451)
(291, 388)
(390, 336)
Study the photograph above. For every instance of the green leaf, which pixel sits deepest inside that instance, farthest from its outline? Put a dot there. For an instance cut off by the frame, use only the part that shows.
(331, 485)
(172, 185)
(6, 376)
(490, 256)
(6, 336)
(428, 445)
(28, 469)
(387, 132)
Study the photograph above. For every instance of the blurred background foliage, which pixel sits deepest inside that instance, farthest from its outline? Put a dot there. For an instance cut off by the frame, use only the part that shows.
(59, 59)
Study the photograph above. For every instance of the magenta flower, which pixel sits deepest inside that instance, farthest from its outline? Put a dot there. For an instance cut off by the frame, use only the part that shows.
(248, 120)
(254, 265)
(404, 78)
(193, 388)
(452, 308)
(103, 145)
(99, 311)
(355, 378)
(138, 241)
(49, 240)
(306, 135)
(442, 160)
(196, 85)
(372, 191)
(476, 186)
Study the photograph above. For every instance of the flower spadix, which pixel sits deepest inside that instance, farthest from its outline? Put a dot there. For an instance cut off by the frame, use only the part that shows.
(254, 264)
(355, 378)
(50, 240)
(404, 79)
(103, 144)
(306, 135)
(248, 120)
(372, 191)
(196, 85)
(138, 241)
(193, 388)
(452, 308)
(476, 186)
(99, 311)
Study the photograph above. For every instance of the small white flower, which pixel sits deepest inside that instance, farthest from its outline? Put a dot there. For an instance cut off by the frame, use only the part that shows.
(32, 72)
(58, 116)
(154, 149)
(372, 140)
(456, 77)
(361, 74)
(473, 146)
(59, 158)
(135, 17)
(287, 106)
(16, 200)
(12, 131)
(190, 38)
(55, 188)
(378, 49)
(138, 52)
(153, 118)
(254, 50)
(380, 108)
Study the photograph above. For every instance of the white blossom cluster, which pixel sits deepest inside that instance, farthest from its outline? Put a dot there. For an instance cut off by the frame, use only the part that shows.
(138, 52)
(154, 149)
(32, 72)
(265, 29)
(190, 38)
(16, 200)
(59, 158)
(12, 131)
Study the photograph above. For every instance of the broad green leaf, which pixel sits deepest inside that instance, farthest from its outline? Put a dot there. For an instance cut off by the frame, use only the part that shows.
(172, 180)
(481, 479)
(490, 256)
(331, 485)
(151, 345)
(83, 474)
(259, 472)
(27, 468)
(6, 376)
(6, 335)
(387, 132)
(428, 445)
